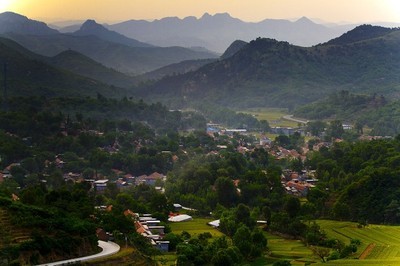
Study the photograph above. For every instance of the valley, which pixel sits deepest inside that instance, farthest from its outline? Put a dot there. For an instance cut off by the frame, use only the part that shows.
(199, 141)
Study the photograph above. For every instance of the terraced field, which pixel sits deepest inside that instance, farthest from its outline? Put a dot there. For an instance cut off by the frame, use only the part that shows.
(286, 249)
(381, 243)
(11, 234)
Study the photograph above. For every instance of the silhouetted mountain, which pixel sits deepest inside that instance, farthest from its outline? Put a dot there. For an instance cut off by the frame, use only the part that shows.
(123, 58)
(361, 33)
(12, 22)
(28, 74)
(217, 32)
(84, 66)
(90, 27)
(175, 69)
(233, 48)
(267, 72)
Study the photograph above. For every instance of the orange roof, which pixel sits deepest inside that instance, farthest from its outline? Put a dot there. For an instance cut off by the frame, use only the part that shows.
(139, 228)
(155, 175)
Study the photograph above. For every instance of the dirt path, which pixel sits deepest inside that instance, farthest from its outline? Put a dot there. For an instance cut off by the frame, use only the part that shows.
(367, 250)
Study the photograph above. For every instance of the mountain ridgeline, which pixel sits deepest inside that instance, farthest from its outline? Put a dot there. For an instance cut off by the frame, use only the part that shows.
(93, 40)
(216, 32)
(267, 72)
(31, 74)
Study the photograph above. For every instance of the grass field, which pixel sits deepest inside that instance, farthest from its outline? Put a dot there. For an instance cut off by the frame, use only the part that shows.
(385, 239)
(195, 227)
(274, 116)
(286, 249)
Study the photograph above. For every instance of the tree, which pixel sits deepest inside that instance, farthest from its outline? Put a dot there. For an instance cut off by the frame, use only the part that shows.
(321, 252)
(242, 215)
(226, 191)
(222, 258)
(392, 212)
(335, 129)
(242, 240)
(292, 207)
(316, 127)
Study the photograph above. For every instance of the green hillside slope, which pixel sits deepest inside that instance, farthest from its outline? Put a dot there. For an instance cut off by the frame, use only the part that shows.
(272, 73)
(27, 74)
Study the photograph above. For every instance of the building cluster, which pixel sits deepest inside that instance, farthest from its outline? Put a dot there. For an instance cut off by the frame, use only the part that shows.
(298, 184)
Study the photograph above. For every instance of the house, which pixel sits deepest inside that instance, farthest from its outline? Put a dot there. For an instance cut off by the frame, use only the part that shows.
(163, 246)
(180, 218)
(177, 206)
(102, 234)
(100, 185)
(214, 224)
(150, 180)
(159, 229)
(121, 183)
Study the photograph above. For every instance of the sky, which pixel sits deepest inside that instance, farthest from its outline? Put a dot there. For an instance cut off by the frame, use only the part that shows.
(247, 10)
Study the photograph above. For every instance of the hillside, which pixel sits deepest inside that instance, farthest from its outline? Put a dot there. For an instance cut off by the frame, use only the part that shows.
(54, 236)
(175, 69)
(28, 74)
(84, 66)
(12, 22)
(272, 73)
(90, 27)
(123, 58)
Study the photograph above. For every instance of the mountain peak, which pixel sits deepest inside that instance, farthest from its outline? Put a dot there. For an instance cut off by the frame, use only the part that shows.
(216, 16)
(304, 20)
(206, 15)
(359, 33)
(12, 16)
(91, 25)
(13, 22)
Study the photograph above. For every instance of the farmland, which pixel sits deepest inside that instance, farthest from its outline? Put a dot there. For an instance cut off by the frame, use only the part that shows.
(384, 241)
(274, 116)
(286, 249)
(195, 227)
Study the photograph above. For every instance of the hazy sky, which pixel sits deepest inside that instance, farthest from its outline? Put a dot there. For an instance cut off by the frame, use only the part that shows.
(247, 10)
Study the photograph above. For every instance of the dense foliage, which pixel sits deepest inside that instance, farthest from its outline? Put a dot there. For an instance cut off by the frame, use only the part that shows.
(358, 181)
(272, 73)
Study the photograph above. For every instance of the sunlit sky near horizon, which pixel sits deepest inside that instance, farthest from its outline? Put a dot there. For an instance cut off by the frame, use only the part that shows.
(248, 10)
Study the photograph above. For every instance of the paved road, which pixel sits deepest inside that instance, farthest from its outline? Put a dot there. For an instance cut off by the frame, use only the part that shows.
(109, 248)
(290, 117)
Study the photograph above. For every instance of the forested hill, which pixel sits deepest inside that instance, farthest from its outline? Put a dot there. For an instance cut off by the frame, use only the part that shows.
(28, 74)
(272, 73)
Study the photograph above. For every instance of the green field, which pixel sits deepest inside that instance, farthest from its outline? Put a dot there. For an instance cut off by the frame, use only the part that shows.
(385, 242)
(286, 249)
(195, 227)
(274, 116)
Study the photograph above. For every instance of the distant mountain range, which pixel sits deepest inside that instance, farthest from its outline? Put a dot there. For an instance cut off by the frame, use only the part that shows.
(266, 72)
(98, 43)
(262, 72)
(217, 32)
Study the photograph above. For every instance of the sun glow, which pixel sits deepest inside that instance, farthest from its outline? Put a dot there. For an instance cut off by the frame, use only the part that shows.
(5, 5)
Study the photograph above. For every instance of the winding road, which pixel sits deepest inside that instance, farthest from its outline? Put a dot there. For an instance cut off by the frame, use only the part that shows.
(109, 248)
